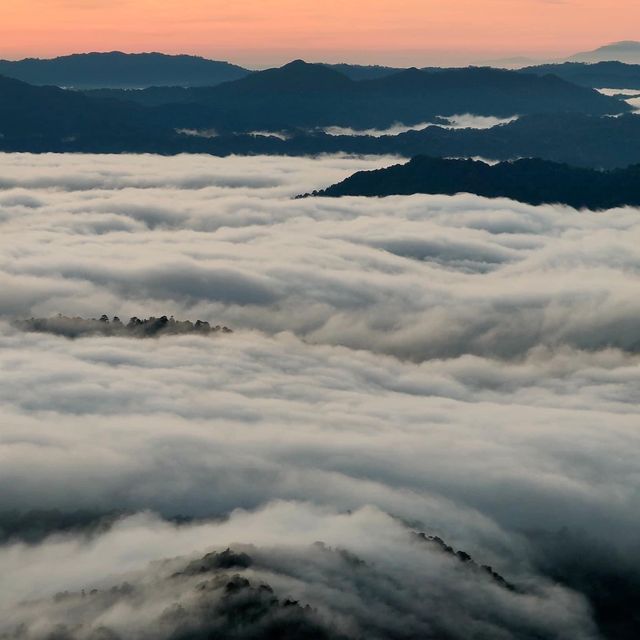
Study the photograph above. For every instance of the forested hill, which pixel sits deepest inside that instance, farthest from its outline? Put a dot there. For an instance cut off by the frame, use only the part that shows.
(531, 181)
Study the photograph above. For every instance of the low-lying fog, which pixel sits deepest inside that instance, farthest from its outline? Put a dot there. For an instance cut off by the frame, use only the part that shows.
(619, 92)
(461, 121)
(462, 367)
(633, 96)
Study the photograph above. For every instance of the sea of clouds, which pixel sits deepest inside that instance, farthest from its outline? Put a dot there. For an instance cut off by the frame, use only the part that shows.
(454, 366)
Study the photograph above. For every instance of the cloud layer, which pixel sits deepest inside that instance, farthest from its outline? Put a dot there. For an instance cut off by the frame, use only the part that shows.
(453, 365)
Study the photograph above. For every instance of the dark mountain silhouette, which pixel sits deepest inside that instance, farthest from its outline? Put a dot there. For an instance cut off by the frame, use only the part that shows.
(292, 77)
(301, 95)
(625, 51)
(614, 75)
(295, 77)
(48, 118)
(119, 70)
(532, 181)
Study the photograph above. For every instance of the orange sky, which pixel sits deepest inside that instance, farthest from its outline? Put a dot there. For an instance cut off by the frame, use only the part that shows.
(264, 32)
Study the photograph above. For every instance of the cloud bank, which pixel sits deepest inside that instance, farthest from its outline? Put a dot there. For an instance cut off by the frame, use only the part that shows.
(455, 366)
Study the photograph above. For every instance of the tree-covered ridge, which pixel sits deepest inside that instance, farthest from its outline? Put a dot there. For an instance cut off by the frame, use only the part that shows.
(531, 181)
(77, 327)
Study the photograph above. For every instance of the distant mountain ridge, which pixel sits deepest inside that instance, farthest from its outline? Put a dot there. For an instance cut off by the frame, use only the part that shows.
(303, 95)
(611, 75)
(122, 70)
(531, 181)
(626, 51)
(119, 70)
(300, 101)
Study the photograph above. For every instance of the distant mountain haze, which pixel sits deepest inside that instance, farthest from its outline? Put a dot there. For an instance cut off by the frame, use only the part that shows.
(627, 51)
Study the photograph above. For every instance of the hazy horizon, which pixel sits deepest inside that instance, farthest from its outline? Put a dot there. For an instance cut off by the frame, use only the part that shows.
(276, 59)
(380, 58)
(258, 34)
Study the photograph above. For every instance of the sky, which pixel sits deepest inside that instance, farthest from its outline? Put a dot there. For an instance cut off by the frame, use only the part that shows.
(261, 33)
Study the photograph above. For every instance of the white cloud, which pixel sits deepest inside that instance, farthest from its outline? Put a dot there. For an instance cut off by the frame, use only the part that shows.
(468, 366)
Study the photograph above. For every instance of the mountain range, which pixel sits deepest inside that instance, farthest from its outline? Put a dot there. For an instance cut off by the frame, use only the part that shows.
(122, 70)
(118, 70)
(51, 119)
(531, 181)
(558, 120)
(302, 95)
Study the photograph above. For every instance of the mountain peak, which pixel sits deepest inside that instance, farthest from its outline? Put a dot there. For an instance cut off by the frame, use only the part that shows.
(298, 63)
(296, 75)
